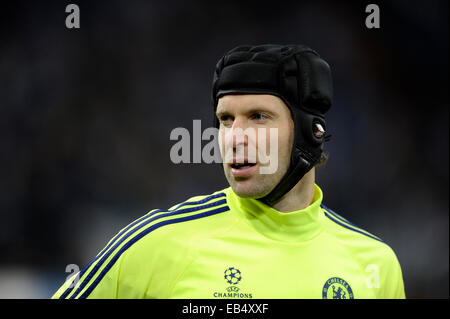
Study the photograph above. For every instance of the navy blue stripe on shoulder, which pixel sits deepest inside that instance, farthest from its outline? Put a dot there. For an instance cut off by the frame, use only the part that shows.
(147, 216)
(351, 228)
(335, 214)
(345, 223)
(201, 201)
(134, 230)
(142, 234)
(339, 217)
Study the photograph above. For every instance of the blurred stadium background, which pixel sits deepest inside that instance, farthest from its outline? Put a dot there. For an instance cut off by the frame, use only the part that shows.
(86, 114)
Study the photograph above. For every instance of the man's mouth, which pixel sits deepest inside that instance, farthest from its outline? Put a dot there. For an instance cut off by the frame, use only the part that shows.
(242, 169)
(243, 165)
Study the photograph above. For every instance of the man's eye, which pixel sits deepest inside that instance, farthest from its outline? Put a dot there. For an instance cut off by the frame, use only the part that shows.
(225, 118)
(259, 116)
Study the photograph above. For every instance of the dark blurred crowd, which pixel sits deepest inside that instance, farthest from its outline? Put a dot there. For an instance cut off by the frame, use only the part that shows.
(86, 115)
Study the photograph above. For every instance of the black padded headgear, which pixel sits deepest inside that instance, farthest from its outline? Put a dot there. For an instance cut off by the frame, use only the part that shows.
(297, 75)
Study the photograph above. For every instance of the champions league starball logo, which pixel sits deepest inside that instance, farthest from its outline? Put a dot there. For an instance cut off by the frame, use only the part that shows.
(233, 276)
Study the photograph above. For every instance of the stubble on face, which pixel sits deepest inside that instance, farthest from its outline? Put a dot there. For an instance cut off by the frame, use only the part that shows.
(240, 109)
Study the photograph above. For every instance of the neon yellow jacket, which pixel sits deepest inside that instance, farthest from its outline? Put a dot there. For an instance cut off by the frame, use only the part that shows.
(225, 246)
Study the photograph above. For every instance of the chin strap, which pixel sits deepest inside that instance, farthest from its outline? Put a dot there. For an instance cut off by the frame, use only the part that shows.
(301, 163)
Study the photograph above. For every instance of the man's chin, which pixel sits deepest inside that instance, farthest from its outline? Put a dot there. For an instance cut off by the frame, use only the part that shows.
(248, 190)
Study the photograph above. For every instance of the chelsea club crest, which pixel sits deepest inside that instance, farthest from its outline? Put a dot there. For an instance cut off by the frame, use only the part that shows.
(337, 288)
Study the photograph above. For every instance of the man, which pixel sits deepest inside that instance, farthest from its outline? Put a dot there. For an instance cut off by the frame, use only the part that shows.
(268, 235)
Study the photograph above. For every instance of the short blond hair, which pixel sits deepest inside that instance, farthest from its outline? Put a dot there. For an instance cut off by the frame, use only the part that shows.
(322, 160)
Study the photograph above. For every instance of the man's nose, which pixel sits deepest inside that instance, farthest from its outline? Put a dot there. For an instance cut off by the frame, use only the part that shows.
(237, 133)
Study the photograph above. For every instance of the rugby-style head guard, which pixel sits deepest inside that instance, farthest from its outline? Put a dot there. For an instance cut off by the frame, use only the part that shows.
(297, 75)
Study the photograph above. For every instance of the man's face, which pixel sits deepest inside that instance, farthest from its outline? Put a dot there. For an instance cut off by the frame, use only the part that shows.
(263, 115)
